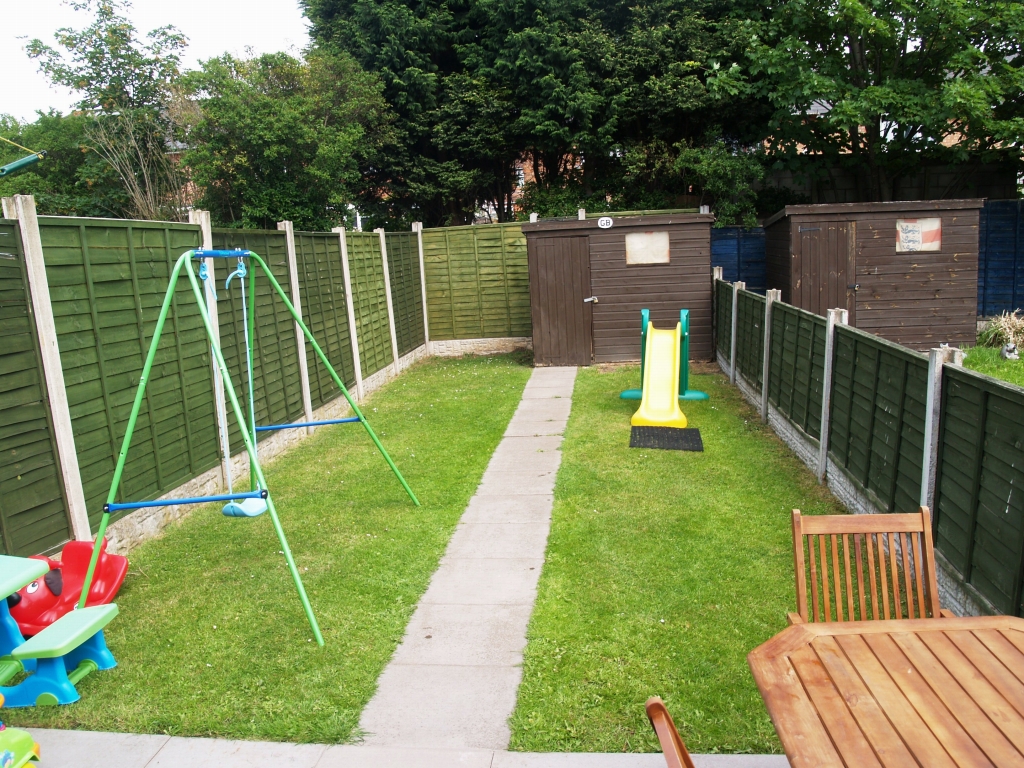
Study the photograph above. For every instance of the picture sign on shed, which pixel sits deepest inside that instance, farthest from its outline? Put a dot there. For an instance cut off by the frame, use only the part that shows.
(914, 235)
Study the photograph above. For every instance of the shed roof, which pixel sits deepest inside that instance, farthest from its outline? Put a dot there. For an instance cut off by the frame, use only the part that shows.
(894, 206)
(588, 225)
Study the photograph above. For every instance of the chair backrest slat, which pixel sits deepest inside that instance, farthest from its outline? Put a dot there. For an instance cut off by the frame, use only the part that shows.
(902, 581)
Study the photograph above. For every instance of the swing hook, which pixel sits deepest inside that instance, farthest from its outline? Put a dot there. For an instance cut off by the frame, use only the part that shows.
(239, 272)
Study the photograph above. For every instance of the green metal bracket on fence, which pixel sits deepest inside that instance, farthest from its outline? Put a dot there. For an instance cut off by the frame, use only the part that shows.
(258, 478)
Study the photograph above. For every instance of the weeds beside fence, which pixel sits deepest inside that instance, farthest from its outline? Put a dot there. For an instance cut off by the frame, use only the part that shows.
(106, 281)
(880, 445)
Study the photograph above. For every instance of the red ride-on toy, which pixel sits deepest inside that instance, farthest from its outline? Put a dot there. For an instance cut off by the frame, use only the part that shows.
(45, 600)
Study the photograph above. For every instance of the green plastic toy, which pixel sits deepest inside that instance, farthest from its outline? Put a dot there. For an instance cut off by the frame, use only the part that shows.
(17, 748)
(685, 393)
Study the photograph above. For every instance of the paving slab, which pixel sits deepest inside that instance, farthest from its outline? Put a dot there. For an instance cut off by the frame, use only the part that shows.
(516, 540)
(561, 373)
(498, 510)
(93, 749)
(534, 427)
(220, 753)
(501, 581)
(468, 635)
(544, 393)
(499, 482)
(524, 457)
(443, 706)
(399, 757)
(545, 408)
(515, 444)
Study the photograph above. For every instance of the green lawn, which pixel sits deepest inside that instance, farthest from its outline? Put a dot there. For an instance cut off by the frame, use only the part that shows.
(211, 640)
(987, 360)
(664, 569)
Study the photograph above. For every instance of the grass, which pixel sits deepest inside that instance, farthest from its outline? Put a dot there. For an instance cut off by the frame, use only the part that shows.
(987, 360)
(664, 569)
(212, 641)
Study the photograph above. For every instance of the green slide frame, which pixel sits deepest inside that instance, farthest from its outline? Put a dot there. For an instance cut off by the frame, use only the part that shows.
(685, 393)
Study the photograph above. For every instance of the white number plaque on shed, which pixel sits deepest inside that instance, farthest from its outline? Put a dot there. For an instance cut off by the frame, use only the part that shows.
(647, 248)
(918, 235)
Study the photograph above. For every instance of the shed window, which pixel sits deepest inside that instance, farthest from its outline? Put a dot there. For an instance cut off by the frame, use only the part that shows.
(647, 248)
(918, 235)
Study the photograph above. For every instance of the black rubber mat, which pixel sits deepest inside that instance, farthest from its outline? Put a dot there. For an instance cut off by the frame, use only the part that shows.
(666, 438)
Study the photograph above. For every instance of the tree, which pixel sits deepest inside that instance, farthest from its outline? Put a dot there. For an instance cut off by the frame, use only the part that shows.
(125, 85)
(72, 180)
(278, 138)
(882, 85)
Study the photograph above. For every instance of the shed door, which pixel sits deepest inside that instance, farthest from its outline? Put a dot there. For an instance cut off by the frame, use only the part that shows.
(828, 269)
(559, 284)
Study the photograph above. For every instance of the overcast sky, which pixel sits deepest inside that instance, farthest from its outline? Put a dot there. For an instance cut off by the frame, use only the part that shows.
(212, 27)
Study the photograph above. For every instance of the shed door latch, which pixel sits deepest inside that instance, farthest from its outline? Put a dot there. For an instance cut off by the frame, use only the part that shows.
(854, 287)
(591, 299)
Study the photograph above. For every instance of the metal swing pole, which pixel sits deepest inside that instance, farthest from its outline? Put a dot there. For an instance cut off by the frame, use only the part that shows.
(334, 375)
(185, 259)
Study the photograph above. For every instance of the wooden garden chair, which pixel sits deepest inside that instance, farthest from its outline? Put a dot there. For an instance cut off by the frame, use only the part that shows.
(863, 567)
(672, 745)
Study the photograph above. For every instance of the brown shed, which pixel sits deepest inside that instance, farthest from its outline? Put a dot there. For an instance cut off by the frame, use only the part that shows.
(590, 278)
(906, 271)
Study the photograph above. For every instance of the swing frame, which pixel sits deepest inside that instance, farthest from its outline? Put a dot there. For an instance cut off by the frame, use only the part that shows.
(257, 477)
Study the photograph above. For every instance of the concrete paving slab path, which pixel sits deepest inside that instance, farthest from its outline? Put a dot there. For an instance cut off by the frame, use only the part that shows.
(441, 688)
(91, 749)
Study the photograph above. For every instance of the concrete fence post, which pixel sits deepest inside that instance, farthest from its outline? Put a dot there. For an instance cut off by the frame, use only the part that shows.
(23, 208)
(581, 214)
(300, 337)
(418, 229)
(533, 218)
(835, 317)
(738, 286)
(770, 297)
(350, 306)
(932, 411)
(202, 220)
(387, 293)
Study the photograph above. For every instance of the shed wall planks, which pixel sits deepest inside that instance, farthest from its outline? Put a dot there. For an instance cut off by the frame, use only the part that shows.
(33, 509)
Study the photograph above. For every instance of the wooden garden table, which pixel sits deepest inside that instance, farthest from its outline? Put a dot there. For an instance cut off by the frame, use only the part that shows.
(928, 692)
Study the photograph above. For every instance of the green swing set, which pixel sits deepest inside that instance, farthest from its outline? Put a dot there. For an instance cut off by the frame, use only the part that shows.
(258, 500)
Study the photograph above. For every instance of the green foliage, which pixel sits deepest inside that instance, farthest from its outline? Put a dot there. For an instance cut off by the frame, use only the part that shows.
(988, 361)
(564, 87)
(278, 138)
(879, 86)
(107, 62)
(72, 180)
(726, 178)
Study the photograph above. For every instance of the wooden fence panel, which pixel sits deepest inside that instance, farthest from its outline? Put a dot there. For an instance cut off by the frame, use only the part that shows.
(33, 508)
(879, 391)
(750, 337)
(276, 382)
(723, 318)
(370, 299)
(797, 366)
(406, 294)
(107, 281)
(478, 283)
(979, 511)
(322, 287)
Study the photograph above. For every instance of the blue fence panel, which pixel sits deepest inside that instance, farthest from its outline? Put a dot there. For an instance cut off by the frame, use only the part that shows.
(740, 253)
(1000, 257)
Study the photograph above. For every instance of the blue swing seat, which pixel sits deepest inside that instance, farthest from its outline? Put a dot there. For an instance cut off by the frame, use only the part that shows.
(245, 508)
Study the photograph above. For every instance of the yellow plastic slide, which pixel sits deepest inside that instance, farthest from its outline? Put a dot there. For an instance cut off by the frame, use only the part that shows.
(659, 404)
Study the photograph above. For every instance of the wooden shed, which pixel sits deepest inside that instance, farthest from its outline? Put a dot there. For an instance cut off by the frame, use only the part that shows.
(590, 278)
(906, 271)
